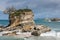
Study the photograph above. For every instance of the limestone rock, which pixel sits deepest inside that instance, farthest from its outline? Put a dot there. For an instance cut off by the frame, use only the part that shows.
(27, 28)
(43, 28)
(23, 19)
(21, 16)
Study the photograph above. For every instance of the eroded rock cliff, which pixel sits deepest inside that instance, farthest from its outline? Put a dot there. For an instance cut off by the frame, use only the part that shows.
(22, 19)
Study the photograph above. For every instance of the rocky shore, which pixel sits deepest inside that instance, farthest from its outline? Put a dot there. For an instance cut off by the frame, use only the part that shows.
(20, 22)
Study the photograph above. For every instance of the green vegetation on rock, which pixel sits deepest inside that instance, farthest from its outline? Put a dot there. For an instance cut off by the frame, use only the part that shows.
(16, 13)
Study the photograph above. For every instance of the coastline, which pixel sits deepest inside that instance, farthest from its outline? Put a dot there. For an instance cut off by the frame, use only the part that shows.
(28, 34)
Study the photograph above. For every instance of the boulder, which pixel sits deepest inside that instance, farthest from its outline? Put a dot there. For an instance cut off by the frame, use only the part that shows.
(35, 33)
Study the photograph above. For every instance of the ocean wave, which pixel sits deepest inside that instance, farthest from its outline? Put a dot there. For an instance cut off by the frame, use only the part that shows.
(51, 33)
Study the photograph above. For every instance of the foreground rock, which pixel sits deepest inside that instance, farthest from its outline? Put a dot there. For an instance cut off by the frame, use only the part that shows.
(35, 33)
(40, 29)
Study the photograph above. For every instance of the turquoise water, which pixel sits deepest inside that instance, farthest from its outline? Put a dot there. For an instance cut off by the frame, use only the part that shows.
(10, 38)
(53, 25)
(31, 38)
(4, 22)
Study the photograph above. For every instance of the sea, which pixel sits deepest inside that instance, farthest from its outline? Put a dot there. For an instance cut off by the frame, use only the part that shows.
(53, 25)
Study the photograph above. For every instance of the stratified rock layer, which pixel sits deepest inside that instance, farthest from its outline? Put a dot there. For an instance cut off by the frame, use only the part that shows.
(22, 18)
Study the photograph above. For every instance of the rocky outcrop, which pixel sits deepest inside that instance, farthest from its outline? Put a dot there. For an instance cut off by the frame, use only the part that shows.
(43, 28)
(22, 19)
(40, 29)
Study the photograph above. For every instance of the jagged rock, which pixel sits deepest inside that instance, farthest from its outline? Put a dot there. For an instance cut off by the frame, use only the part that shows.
(46, 30)
(35, 33)
(40, 29)
(43, 28)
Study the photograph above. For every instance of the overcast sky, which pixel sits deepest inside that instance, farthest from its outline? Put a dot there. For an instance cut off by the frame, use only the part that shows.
(41, 8)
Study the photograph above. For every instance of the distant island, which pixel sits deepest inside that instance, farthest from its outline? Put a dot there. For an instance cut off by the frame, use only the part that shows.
(20, 22)
(53, 19)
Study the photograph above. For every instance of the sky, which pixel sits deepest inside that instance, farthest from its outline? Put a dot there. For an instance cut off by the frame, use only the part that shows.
(40, 8)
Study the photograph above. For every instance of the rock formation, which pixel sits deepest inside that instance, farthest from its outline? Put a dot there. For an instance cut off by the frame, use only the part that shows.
(40, 29)
(23, 19)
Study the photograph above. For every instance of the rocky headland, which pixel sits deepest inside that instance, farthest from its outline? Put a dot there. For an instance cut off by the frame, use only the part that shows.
(21, 21)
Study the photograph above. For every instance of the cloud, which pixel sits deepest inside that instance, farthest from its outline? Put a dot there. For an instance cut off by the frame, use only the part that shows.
(3, 16)
(41, 8)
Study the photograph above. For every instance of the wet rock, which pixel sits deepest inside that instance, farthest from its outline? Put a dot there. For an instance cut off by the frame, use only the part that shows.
(35, 33)
(10, 34)
(5, 34)
(1, 30)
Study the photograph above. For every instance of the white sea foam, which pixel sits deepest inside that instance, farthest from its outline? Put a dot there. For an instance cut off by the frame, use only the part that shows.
(52, 33)
(58, 34)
